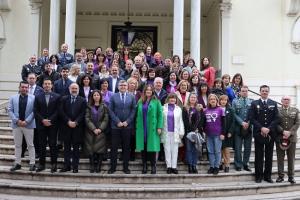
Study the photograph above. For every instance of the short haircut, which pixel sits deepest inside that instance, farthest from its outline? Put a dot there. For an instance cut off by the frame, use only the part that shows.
(182, 82)
(223, 97)
(47, 79)
(245, 86)
(263, 86)
(23, 82)
(64, 68)
(31, 73)
(121, 82)
(158, 79)
(226, 76)
(171, 96)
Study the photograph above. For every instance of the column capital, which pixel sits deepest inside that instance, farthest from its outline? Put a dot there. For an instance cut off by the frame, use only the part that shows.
(4, 6)
(292, 7)
(225, 8)
(35, 6)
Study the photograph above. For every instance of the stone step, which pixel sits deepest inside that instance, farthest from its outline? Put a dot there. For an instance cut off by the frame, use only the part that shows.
(142, 191)
(5, 122)
(4, 116)
(8, 160)
(135, 177)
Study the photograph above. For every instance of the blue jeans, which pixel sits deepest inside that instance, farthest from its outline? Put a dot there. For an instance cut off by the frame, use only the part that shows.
(214, 144)
(191, 152)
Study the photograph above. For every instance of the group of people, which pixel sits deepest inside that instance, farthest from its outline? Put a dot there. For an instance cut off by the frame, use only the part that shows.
(165, 109)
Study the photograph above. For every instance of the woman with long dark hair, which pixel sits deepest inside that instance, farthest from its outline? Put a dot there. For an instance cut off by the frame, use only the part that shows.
(149, 124)
(96, 119)
(208, 72)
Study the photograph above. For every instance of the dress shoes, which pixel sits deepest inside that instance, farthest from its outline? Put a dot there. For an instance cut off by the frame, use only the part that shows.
(238, 169)
(174, 171)
(258, 180)
(216, 171)
(65, 169)
(32, 167)
(169, 170)
(246, 168)
(40, 168)
(15, 167)
(111, 171)
(190, 169)
(126, 171)
(75, 171)
(279, 180)
(210, 170)
(292, 180)
(269, 180)
(144, 170)
(53, 168)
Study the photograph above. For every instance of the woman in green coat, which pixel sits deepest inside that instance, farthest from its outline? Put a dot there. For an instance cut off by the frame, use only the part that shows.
(149, 123)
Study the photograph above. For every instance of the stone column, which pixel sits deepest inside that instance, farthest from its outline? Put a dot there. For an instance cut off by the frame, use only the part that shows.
(225, 8)
(54, 26)
(178, 24)
(35, 25)
(195, 31)
(297, 96)
(70, 25)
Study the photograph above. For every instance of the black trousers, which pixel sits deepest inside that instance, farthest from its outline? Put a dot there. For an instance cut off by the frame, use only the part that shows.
(48, 135)
(263, 151)
(148, 156)
(35, 143)
(120, 136)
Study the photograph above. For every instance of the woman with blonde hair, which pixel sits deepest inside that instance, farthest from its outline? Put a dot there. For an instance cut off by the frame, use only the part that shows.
(191, 114)
(182, 93)
(214, 128)
(173, 132)
(74, 72)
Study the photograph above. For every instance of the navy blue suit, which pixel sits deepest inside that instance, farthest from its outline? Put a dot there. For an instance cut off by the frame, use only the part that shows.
(121, 111)
(110, 84)
(61, 89)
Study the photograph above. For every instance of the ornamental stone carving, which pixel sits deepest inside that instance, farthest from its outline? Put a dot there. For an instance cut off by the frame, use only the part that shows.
(225, 8)
(292, 7)
(35, 6)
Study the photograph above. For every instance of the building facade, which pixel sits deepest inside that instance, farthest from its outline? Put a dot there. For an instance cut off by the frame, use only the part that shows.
(260, 39)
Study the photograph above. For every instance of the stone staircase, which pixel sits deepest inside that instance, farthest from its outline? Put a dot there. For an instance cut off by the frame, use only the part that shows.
(232, 185)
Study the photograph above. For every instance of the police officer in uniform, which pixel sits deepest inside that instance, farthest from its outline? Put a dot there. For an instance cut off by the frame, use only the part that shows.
(286, 140)
(32, 67)
(243, 130)
(263, 115)
(64, 57)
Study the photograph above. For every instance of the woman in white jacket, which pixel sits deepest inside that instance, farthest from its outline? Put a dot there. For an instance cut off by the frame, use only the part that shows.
(172, 133)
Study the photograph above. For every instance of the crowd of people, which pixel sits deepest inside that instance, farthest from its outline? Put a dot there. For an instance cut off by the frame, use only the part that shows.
(164, 109)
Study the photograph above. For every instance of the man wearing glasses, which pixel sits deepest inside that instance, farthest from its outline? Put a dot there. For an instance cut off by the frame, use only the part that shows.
(286, 139)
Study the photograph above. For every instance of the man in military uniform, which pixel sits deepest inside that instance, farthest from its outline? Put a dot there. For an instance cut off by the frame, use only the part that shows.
(263, 115)
(44, 59)
(64, 57)
(32, 67)
(286, 140)
(243, 131)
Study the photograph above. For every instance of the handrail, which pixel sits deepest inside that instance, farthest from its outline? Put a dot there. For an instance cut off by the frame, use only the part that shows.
(260, 96)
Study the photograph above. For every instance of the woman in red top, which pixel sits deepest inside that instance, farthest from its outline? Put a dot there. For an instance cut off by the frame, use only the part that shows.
(208, 72)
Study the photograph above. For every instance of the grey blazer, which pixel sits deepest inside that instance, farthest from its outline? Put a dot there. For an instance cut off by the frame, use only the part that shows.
(13, 111)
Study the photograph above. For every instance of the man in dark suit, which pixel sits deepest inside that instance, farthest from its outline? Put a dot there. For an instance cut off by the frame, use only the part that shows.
(44, 59)
(113, 80)
(46, 115)
(35, 90)
(161, 95)
(61, 86)
(263, 115)
(64, 57)
(32, 67)
(122, 111)
(72, 112)
(90, 72)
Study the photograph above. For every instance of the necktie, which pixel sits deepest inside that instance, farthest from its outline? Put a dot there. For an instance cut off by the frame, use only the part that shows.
(123, 98)
(73, 100)
(264, 103)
